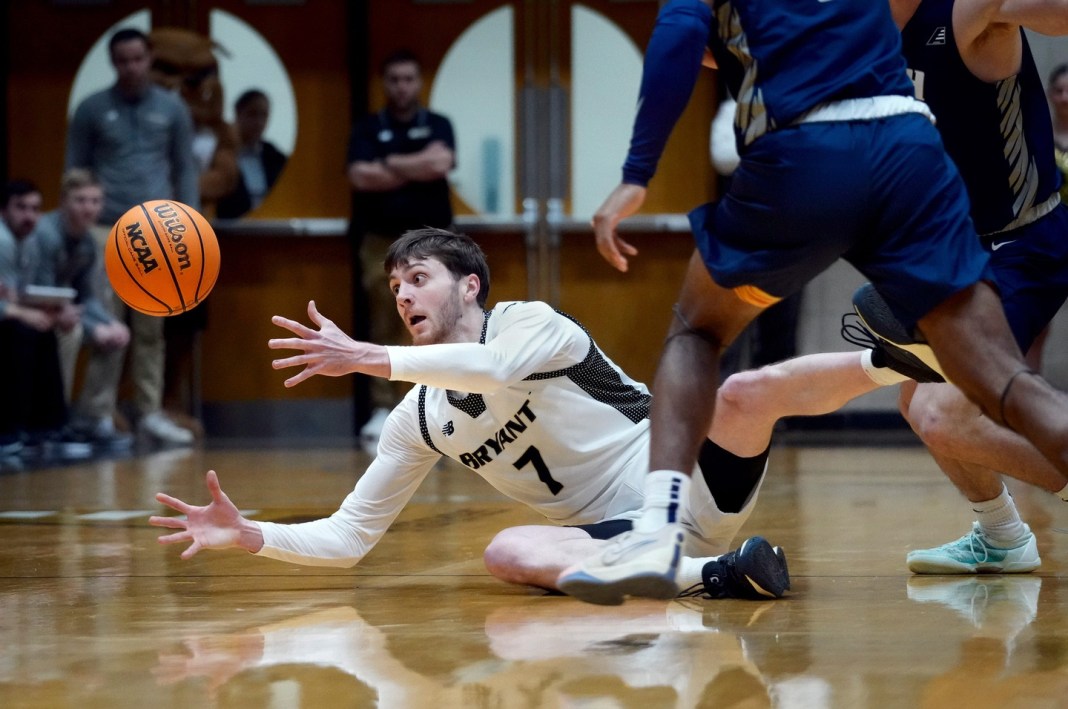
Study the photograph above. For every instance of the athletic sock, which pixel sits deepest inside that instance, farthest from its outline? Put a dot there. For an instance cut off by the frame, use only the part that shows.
(665, 493)
(690, 571)
(999, 519)
(883, 376)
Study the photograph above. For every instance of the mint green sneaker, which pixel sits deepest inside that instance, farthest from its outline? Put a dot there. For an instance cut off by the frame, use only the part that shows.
(975, 554)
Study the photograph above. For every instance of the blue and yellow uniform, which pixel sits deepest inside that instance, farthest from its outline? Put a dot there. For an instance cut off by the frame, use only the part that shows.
(838, 159)
(1000, 136)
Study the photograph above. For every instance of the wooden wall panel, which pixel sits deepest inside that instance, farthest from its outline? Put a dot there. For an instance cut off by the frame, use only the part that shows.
(264, 276)
(48, 41)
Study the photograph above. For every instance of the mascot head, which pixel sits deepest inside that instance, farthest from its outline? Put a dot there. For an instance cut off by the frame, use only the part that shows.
(185, 61)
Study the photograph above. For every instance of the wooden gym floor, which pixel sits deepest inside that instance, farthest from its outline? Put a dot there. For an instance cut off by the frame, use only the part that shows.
(94, 613)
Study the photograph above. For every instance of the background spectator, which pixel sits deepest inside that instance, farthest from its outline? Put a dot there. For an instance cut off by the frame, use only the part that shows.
(397, 163)
(259, 161)
(33, 412)
(136, 137)
(73, 259)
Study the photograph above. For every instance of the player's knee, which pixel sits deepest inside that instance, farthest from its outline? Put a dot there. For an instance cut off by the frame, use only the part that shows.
(747, 393)
(503, 556)
(932, 423)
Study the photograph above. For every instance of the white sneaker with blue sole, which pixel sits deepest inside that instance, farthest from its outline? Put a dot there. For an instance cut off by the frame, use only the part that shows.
(633, 564)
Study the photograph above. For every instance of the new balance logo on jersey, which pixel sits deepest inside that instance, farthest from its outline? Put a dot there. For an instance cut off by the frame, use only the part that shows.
(938, 38)
(511, 430)
(448, 429)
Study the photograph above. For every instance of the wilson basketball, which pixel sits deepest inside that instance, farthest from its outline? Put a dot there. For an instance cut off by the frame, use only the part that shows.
(162, 257)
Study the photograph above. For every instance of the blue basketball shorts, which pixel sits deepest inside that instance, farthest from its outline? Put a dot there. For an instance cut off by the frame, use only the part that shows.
(1031, 270)
(882, 194)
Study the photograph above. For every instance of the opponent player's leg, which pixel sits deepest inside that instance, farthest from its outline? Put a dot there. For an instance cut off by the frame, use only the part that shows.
(954, 428)
(960, 439)
(971, 338)
(733, 462)
(998, 542)
(645, 561)
(707, 318)
(969, 448)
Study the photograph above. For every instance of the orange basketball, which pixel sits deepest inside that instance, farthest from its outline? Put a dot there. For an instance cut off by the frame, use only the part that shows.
(162, 257)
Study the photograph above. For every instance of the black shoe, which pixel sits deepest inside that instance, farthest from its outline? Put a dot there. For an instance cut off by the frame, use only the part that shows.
(65, 444)
(891, 345)
(756, 570)
(103, 436)
(11, 445)
(782, 560)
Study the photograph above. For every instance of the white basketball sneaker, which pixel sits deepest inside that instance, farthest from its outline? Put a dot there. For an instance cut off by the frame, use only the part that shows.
(633, 564)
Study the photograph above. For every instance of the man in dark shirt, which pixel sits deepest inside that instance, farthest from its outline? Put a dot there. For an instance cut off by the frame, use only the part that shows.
(397, 163)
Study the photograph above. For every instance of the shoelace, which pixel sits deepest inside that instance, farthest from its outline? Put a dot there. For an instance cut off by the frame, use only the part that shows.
(855, 333)
(696, 591)
(974, 539)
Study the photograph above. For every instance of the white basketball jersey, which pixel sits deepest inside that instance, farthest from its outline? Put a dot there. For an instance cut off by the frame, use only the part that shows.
(535, 408)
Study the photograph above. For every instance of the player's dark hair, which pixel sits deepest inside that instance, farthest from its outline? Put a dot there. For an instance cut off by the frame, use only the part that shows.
(16, 188)
(457, 252)
(400, 56)
(125, 35)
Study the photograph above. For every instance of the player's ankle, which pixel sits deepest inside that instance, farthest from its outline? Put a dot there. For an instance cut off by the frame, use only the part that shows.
(666, 491)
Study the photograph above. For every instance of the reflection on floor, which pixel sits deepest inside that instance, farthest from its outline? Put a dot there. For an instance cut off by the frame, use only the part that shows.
(94, 612)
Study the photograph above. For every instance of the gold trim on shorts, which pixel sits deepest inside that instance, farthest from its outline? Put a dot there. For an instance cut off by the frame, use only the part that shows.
(755, 296)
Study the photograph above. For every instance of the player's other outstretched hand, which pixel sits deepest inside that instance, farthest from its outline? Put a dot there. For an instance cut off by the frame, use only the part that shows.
(218, 525)
(624, 201)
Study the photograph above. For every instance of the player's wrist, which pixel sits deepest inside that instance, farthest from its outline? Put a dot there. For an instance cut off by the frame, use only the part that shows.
(250, 536)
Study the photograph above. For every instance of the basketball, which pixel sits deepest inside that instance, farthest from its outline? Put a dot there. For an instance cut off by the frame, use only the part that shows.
(162, 258)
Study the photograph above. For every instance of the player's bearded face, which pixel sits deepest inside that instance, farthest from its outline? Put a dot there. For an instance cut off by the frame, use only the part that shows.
(429, 300)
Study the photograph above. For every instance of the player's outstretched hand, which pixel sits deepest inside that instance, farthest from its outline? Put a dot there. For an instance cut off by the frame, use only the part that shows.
(327, 351)
(624, 201)
(218, 525)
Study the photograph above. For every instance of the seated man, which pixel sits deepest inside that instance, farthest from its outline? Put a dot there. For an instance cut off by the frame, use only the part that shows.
(72, 258)
(522, 396)
(33, 415)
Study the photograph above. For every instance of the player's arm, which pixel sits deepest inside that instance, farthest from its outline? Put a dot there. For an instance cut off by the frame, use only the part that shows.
(1043, 16)
(988, 32)
(531, 337)
(340, 540)
(345, 537)
(673, 61)
(669, 73)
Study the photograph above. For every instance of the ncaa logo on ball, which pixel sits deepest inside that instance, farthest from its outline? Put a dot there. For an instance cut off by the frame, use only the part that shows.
(135, 237)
